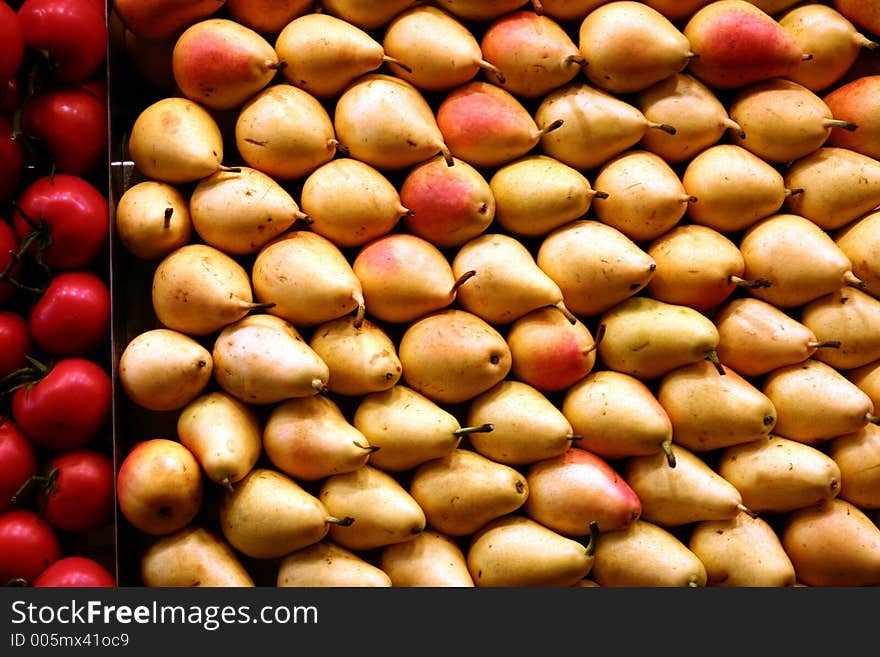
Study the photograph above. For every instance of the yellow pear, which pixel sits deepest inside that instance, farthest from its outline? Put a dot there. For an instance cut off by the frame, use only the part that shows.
(223, 433)
(431, 559)
(743, 551)
(452, 355)
(527, 426)
(163, 369)
(383, 511)
(326, 564)
(190, 557)
(867, 379)
(152, 219)
(850, 317)
(595, 265)
(366, 14)
(857, 455)
(463, 491)
(309, 438)
(603, 402)
(646, 555)
(268, 514)
(859, 241)
(262, 359)
(516, 551)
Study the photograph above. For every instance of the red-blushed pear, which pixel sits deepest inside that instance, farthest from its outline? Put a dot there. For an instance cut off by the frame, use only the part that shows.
(366, 14)
(595, 265)
(570, 492)
(737, 43)
(628, 46)
(152, 219)
(487, 126)
(568, 10)
(677, 95)
(860, 241)
(431, 559)
(601, 403)
(850, 317)
(267, 16)
(533, 53)
(596, 125)
(865, 15)
(448, 205)
(548, 351)
(858, 456)
(190, 557)
(857, 101)
(831, 39)
(676, 10)
(481, 10)
(326, 564)
(158, 19)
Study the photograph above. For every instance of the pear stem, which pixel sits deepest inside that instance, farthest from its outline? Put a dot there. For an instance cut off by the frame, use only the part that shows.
(600, 333)
(261, 306)
(340, 148)
(487, 66)
(565, 311)
(347, 521)
(575, 437)
(666, 446)
(227, 484)
(361, 309)
(537, 7)
(736, 127)
(166, 224)
(713, 357)
(577, 60)
(751, 285)
(594, 537)
(747, 510)
(598, 194)
(392, 60)
(229, 169)
(480, 428)
(794, 192)
(461, 280)
(851, 279)
(864, 42)
(369, 448)
(320, 386)
(807, 56)
(870, 418)
(447, 155)
(665, 127)
(830, 344)
(839, 123)
(550, 128)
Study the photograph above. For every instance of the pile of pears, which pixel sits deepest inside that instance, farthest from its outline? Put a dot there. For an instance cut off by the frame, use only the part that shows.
(500, 293)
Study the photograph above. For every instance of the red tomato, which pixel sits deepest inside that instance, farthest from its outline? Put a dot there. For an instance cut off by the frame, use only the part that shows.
(18, 462)
(72, 317)
(11, 43)
(16, 340)
(71, 32)
(28, 545)
(75, 572)
(74, 215)
(8, 248)
(77, 494)
(66, 408)
(70, 123)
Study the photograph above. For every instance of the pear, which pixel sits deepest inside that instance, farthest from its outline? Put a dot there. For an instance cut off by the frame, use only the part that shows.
(601, 403)
(709, 411)
(831, 39)
(323, 54)
(383, 511)
(407, 429)
(743, 551)
(645, 198)
(646, 555)
(833, 543)
(864, 16)
(533, 53)
(777, 475)
(799, 259)
(840, 185)
(309, 438)
(480, 10)
(565, 195)
(577, 490)
(508, 282)
(362, 357)
(676, 10)
(548, 352)
(452, 355)
(857, 455)
(781, 120)
(163, 18)
(366, 14)
(285, 132)
(867, 379)
(815, 402)
(464, 490)
(431, 559)
(267, 16)
(262, 359)
(326, 564)
(697, 266)
(223, 433)
(405, 277)
(268, 515)
(221, 63)
(757, 337)
(240, 211)
(307, 278)
(595, 265)
(666, 101)
(440, 52)
(526, 425)
(730, 202)
(688, 493)
(448, 205)
(386, 122)
(647, 338)
(176, 140)
(737, 44)
(850, 317)
(856, 101)
(349, 202)
(608, 36)
(198, 289)
(190, 557)
(596, 125)
(152, 219)
(773, 7)
(858, 240)
(516, 551)
(163, 370)
(487, 126)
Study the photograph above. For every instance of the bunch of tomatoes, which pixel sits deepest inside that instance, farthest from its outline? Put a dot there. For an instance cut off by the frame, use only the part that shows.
(56, 466)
